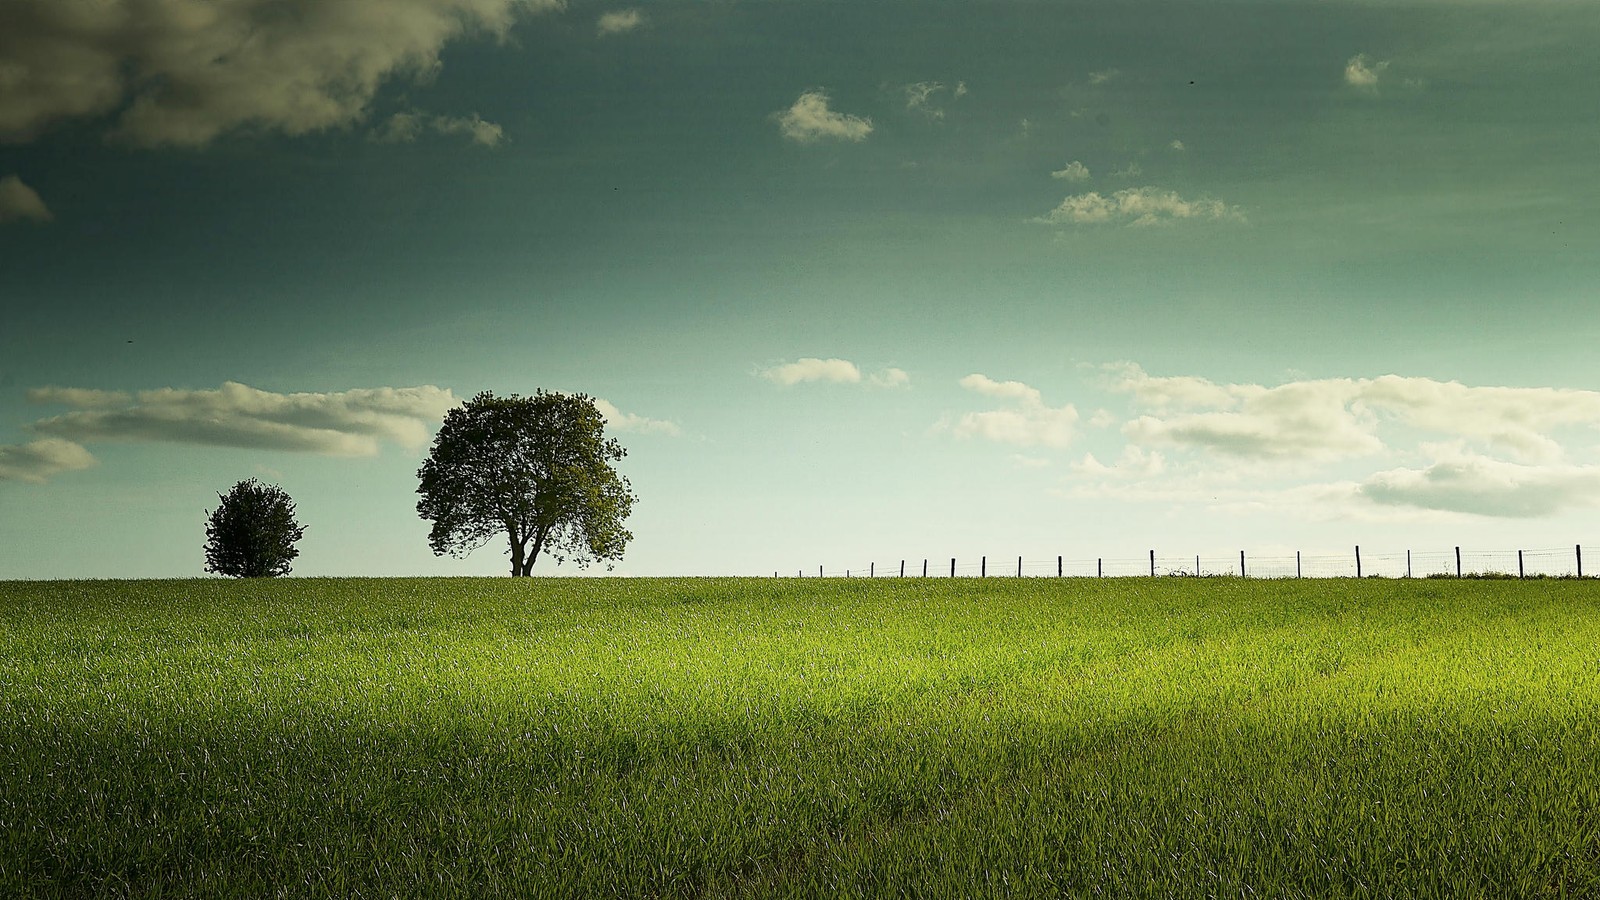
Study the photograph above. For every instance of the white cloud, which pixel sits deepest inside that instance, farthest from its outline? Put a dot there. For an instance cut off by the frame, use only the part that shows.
(1138, 206)
(636, 424)
(837, 371)
(1135, 462)
(485, 133)
(1516, 419)
(1025, 422)
(810, 120)
(19, 202)
(1479, 485)
(36, 461)
(1074, 171)
(1224, 436)
(1103, 76)
(1009, 390)
(1131, 170)
(405, 127)
(1299, 421)
(1340, 418)
(619, 21)
(1361, 73)
(350, 423)
(919, 97)
(1168, 391)
(184, 72)
(890, 378)
(1176, 145)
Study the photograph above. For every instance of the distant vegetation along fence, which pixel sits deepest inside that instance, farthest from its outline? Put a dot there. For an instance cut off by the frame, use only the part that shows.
(1546, 563)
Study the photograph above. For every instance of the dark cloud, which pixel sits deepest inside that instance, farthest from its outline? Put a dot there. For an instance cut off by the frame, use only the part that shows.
(182, 72)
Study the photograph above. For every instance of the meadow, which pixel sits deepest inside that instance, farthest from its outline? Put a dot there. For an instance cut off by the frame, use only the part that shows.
(1135, 737)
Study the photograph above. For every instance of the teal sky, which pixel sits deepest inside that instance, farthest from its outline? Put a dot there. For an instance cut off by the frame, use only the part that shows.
(856, 281)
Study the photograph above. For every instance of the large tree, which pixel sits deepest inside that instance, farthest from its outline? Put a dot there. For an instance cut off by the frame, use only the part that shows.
(251, 533)
(538, 469)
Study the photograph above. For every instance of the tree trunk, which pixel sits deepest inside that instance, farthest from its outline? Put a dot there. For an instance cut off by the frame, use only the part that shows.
(533, 555)
(517, 568)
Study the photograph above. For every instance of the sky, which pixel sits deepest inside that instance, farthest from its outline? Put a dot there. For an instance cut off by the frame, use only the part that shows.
(852, 282)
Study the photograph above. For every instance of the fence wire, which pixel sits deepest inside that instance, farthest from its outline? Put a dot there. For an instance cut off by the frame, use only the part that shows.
(1560, 562)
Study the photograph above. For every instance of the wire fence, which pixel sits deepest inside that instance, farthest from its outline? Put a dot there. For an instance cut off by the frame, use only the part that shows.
(1456, 562)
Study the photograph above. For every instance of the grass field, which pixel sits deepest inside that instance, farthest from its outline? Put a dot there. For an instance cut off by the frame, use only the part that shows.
(751, 738)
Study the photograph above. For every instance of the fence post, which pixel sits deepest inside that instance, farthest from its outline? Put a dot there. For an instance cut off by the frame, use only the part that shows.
(924, 567)
(1152, 564)
(872, 570)
(1197, 565)
(1358, 560)
(902, 568)
(1297, 564)
(952, 567)
(1100, 567)
(983, 567)
(1408, 563)
(1019, 567)
(1580, 560)
(1241, 564)
(1519, 565)
(819, 571)
(1458, 562)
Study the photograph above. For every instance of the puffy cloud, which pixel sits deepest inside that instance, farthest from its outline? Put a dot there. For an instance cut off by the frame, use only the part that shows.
(350, 423)
(405, 127)
(636, 424)
(1301, 424)
(19, 202)
(1303, 421)
(36, 461)
(1361, 73)
(1176, 144)
(837, 371)
(1482, 486)
(1167, 391)
(1025, 422)
(1517, 419)
(183, 72)
(1009, 390)
(1339, 418)
(1103, 76)
(890, 378)
(1074, 171)
(1235, 428)
(810, 120)
(1138, 206)
(919, 97)
(619, 21)
(1135, 462)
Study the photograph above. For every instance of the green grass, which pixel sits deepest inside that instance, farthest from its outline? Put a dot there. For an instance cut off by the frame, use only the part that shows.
(750, 738)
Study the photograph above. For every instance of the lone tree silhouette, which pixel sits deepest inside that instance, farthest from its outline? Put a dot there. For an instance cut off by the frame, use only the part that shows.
(251, 533)
(537, 469)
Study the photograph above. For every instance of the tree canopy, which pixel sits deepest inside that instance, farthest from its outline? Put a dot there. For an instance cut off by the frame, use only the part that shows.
(252, 532)
(538, 469)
